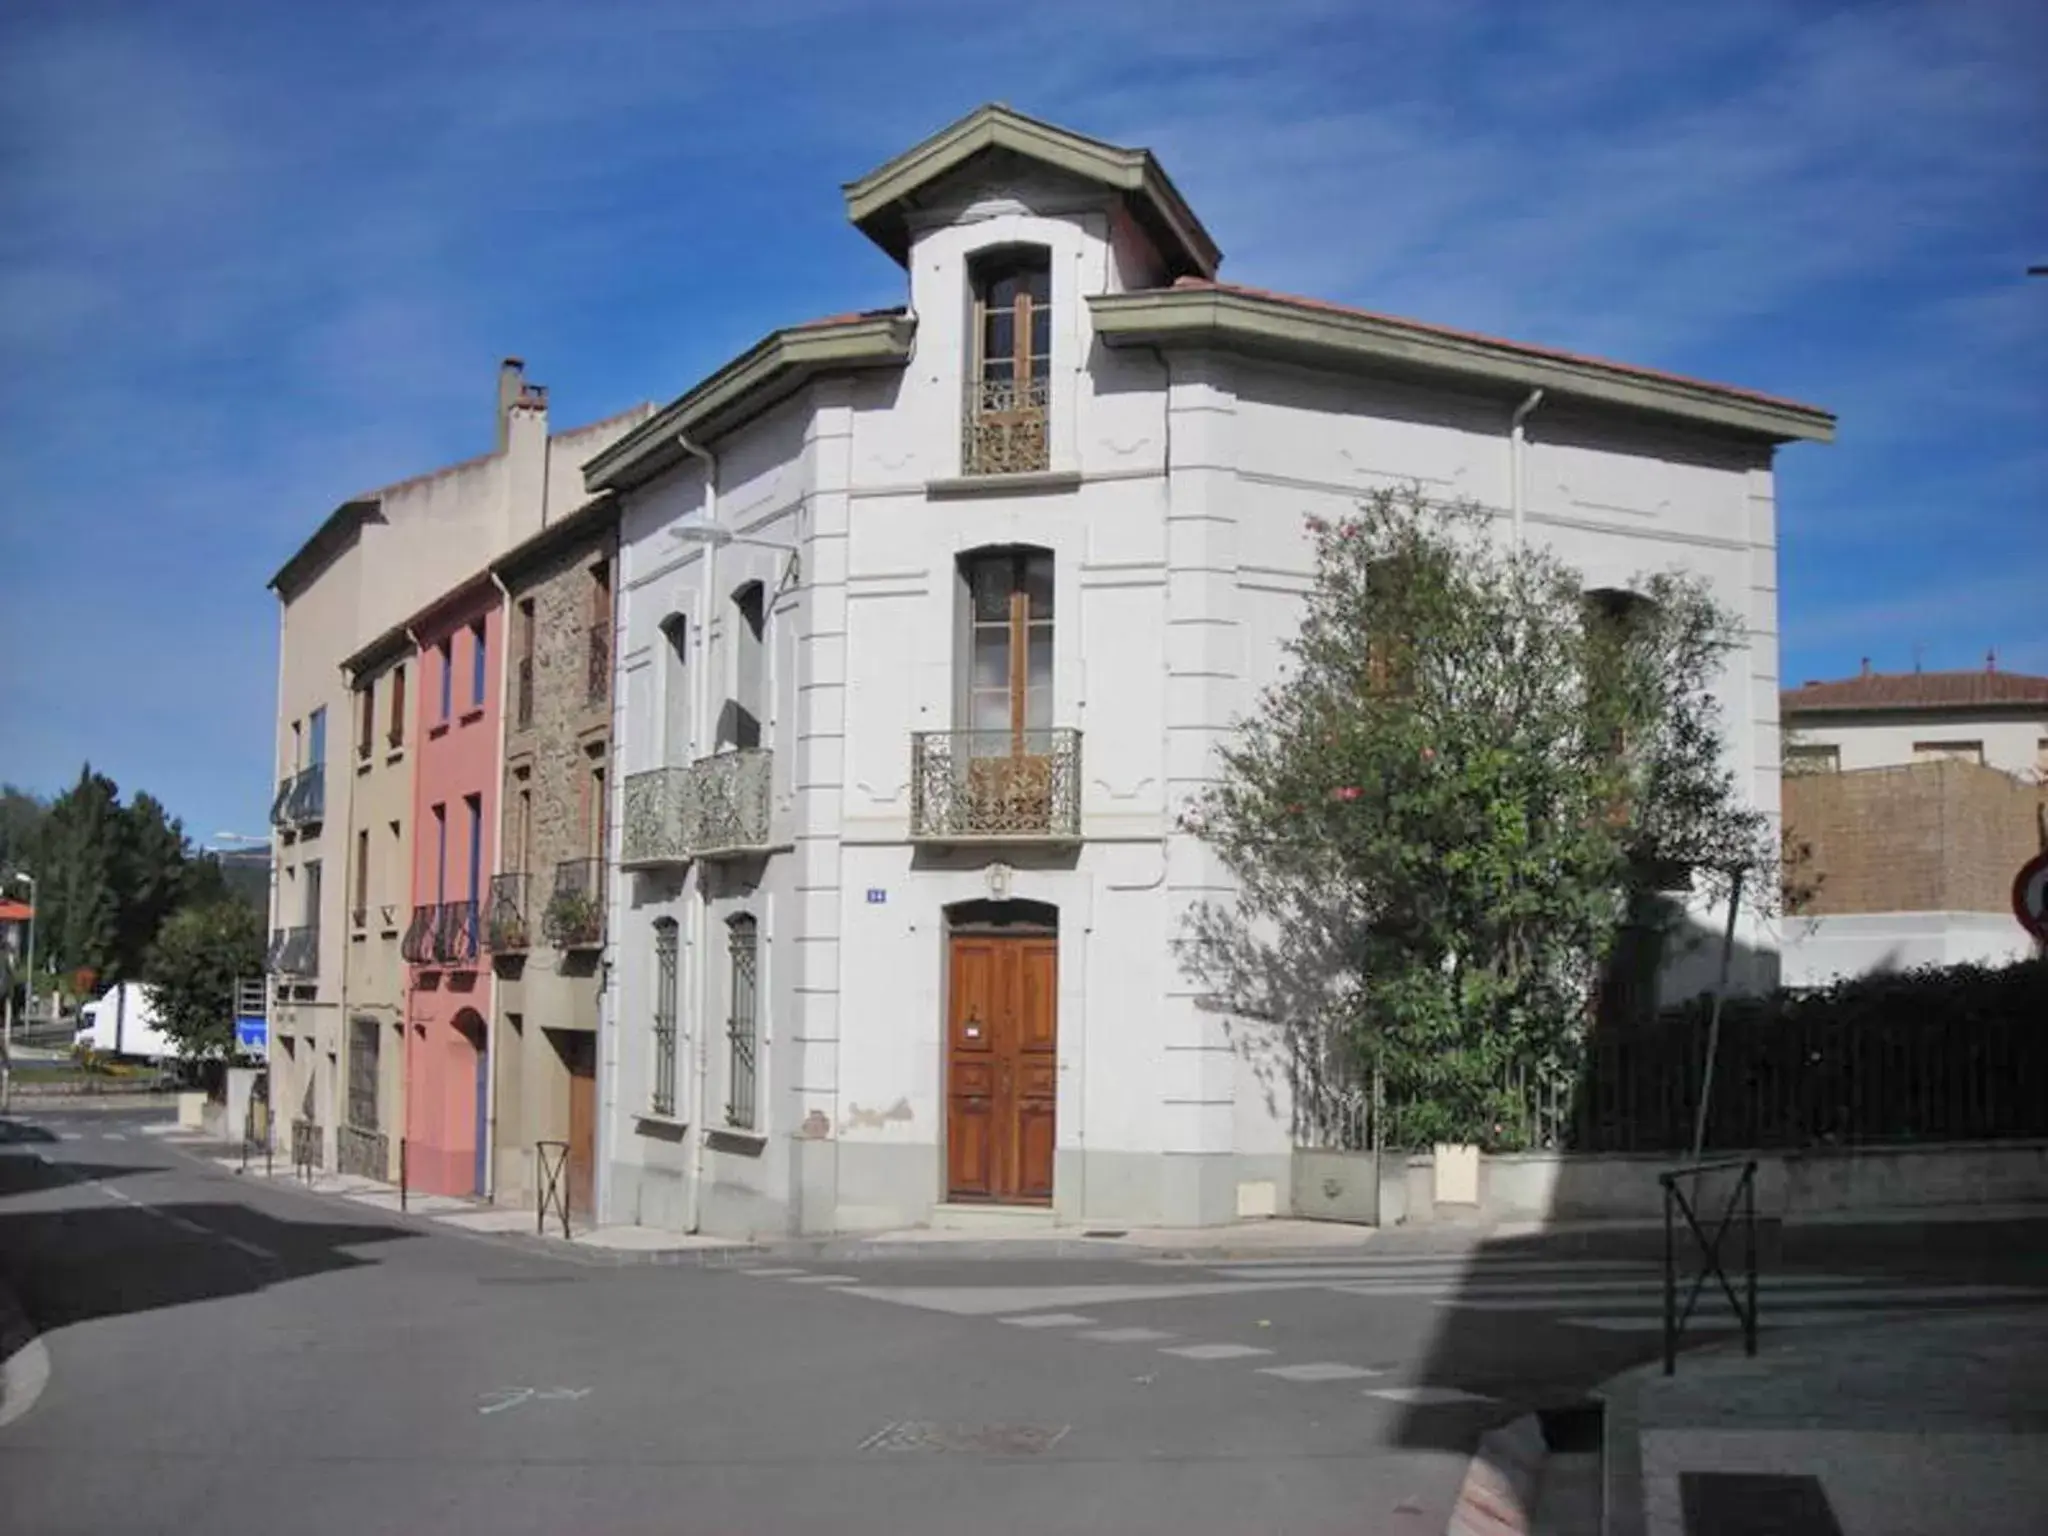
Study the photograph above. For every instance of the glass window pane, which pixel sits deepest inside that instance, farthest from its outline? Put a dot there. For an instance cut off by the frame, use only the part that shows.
(1038, 659)
(1041, 334)
(1038, 283)
(1038, 713)
(1038, 586)
(999, 334)
(991, 657)
(990, 712)
(992, 586)
(1002, 289)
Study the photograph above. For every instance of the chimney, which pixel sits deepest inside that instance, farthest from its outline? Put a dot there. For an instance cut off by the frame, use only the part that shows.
(1991, 660)
(1866, 666)
(511, 383)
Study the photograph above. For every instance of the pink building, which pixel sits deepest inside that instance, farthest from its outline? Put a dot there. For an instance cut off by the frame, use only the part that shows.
(455, 813)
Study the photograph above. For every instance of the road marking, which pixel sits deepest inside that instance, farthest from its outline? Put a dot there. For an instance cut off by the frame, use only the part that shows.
(989, 1300)
(1213, 1351)
(1128, 1335)
(771, 1274)
(1049, 1320)
(254, 1250)
(1803, 1298)
(112, 1136)
(1426, 1397)
(1423, 1274)
(1320, 1370)
(824, 1279)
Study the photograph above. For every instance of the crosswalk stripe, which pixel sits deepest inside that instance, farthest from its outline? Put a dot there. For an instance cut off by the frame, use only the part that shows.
(1644, 1284)
(1128, 1335)
(1049, 1320)
(1850, 1297)
(823, 1279)
(1319, 1370)
(771, 1273)
(1214, 1351)
(1434, 1271)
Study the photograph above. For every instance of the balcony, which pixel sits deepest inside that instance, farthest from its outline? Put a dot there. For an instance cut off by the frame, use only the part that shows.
(301, 799)
(507, 930)
(597, 675)
(995, 786)
(295, 952)
(1004, 428)
(575, 914)
(418, 944)
(716, 808)
(455, 933)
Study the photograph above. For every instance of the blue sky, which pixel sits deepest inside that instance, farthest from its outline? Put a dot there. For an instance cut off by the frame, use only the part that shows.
(254, 257)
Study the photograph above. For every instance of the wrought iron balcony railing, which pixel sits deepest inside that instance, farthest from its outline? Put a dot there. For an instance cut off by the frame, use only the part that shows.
(418, 944)
(506, 927)
(301, 798)
(575, 914)
(455, 932)
(295, 952)
(1003, 428)
(717, 807)
(995, 786)
(597, 678)
(726, 800)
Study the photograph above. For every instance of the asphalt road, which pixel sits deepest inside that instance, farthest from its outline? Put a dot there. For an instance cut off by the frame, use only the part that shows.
(234, 1357)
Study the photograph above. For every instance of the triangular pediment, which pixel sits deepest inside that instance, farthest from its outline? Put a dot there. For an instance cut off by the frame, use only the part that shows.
(993, 152)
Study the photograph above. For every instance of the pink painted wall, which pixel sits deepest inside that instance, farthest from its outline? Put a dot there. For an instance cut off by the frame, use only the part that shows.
(448, 1003)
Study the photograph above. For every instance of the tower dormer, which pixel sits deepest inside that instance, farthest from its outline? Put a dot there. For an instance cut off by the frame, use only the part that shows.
(1006, 227)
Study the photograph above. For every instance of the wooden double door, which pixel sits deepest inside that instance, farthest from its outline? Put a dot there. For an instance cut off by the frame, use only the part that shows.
(1002, 1068)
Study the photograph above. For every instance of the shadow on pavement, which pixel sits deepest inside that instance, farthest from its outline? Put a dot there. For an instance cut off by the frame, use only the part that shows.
(83, 1260)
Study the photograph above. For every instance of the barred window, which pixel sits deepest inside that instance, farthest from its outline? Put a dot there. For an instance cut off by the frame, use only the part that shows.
(1011, 370)
(664, 1095)
(742, 1025)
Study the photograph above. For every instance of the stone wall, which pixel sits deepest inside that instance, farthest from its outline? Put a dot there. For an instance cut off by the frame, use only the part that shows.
(1932, 837)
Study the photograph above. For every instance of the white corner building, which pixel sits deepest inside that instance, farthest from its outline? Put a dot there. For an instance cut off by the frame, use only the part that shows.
(931, 622)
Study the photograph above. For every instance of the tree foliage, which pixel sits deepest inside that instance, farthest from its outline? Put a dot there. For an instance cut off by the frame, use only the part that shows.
(198, 957)
(1470, 779)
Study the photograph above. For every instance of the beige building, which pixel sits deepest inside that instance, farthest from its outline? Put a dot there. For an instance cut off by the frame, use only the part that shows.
(545, 922)
(342, 839)
(1911, 800)
(1889, 719)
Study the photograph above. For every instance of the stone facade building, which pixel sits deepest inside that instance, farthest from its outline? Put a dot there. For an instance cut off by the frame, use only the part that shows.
(545, 923)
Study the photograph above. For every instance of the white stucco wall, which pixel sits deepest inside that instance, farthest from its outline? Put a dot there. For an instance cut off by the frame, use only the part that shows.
(2013, 742)
(1176, 584)
(1819, 950)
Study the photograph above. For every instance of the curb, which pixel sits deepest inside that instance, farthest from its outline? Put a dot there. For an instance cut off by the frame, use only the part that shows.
(1498, 1496)
(24, 1361)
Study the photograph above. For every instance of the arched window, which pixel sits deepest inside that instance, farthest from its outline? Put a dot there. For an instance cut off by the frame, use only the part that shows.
(1010, 371)
(662, 1097)
(740, 722)
(742, 1023)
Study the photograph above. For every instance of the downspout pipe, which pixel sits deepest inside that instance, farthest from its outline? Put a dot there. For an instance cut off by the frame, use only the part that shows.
(1517, 446)
(700, 911)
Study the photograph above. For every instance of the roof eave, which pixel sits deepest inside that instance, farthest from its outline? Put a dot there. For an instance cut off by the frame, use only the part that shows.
(751, 382)
(326, 540)
(1195, 316)
(873, 202)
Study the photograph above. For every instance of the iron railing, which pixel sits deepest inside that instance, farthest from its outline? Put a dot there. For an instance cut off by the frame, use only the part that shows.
(727, 800)
(301, 798)
(597, 678)
(655, 823)
(575, 915)
(995, 786)
(1681, 1202)
(522, 693)
(418, 943)
(295, 952)
(551, 1185)
(506, 928)
(1003, 428)
(308, 1155)
(455, 932)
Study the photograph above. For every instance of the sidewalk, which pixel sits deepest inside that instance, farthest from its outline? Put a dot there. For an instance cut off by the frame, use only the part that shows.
(1907, 1427)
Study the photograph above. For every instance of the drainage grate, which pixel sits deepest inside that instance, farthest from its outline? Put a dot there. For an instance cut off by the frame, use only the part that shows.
(982, 1439)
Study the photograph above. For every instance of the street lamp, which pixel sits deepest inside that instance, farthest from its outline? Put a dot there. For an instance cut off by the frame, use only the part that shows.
(717, 536)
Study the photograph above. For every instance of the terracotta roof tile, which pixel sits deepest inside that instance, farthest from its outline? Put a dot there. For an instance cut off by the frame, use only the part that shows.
(1296, 301)
(1918, 690)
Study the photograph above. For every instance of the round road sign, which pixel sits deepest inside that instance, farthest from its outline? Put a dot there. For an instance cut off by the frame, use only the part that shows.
(2030, 896)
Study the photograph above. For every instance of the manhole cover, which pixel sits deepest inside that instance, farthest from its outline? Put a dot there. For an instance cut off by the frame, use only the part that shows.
(984, 1439)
